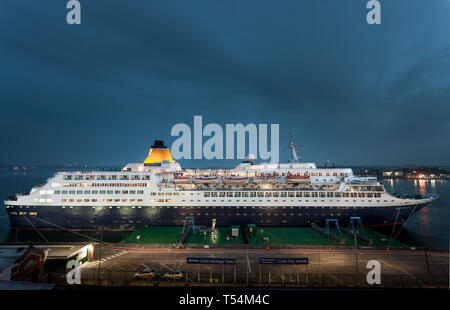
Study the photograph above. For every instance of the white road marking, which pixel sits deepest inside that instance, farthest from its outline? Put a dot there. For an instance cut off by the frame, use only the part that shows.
(95, 263)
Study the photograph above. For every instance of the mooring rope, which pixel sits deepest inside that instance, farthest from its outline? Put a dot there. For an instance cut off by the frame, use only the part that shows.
(74, 232)
(395, 222)
(36, 229)
(409, 216)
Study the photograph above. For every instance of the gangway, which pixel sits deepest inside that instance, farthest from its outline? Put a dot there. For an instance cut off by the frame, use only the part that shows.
(336, 225)
(357, 229)
(188, 223)
(328, 235)
(354, 228)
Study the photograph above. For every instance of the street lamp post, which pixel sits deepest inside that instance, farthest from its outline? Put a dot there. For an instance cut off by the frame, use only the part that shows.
(356, 257)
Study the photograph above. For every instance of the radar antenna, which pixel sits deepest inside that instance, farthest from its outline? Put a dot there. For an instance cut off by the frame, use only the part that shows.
(295, 149)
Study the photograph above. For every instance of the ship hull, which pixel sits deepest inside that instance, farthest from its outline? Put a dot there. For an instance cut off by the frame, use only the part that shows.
(131, 218)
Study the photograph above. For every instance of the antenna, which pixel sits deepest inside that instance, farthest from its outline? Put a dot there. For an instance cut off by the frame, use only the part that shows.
(294, 148)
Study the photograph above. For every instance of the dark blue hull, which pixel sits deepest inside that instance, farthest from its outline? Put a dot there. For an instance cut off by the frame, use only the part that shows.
(131, 218)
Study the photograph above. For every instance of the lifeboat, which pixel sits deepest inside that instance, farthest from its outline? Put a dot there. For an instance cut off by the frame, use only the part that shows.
(235, 179)
(205, 179)
(298, 179)
(178, 179)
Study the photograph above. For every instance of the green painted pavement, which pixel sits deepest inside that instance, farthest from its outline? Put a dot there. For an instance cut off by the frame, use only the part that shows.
(273, 235)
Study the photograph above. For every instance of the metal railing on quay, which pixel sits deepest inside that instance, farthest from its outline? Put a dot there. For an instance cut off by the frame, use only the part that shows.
(111, 277)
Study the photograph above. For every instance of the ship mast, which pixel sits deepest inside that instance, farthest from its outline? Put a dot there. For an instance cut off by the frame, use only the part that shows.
(294, 148)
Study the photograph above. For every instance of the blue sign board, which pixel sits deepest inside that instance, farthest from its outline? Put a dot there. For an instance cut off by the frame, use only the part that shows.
(211, 260)
(283, 261)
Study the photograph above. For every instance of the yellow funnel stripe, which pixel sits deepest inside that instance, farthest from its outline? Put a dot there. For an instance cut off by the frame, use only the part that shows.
(158, 156)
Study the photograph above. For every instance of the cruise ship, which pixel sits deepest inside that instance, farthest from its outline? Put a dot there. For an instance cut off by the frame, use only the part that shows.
(159, 192)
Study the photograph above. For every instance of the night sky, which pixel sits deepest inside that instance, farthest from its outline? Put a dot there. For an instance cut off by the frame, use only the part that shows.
(99, 93)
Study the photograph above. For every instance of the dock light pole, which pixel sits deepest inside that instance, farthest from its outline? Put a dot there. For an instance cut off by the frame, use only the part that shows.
(356, 257)
(100, 257)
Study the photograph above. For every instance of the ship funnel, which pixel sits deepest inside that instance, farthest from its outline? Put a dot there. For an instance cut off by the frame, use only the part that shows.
(159, 153)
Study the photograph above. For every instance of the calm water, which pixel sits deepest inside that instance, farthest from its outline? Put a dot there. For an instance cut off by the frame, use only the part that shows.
(429, 227)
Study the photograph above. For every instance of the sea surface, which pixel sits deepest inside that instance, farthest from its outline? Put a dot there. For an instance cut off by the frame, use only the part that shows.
(429, 227)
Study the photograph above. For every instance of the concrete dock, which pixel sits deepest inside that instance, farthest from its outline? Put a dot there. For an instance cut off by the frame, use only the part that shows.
(328, 266)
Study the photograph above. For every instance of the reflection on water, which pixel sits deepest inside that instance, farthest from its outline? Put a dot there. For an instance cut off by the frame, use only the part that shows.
(429, 226)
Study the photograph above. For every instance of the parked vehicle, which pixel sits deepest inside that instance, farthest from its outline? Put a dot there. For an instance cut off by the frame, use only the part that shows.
(174, 275)
(147, 273)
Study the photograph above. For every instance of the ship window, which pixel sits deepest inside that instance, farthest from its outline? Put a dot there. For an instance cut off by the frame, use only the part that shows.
(57, 192)
(338, 194)
(252, 194)
(330, 194)
(244, 194)
(123, 177)
(237, 194)
(229, 194)
(141, 192)
(298, 194)
(94, 192)
(79, 192)
(87, 192)
(67, 177)
(116, 192)
(322, 194)
(291, 194)
(135, 177)
(268, 194)
(213, 194)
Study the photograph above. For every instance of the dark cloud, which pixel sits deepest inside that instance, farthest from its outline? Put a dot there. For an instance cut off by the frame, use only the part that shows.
(100, 92)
